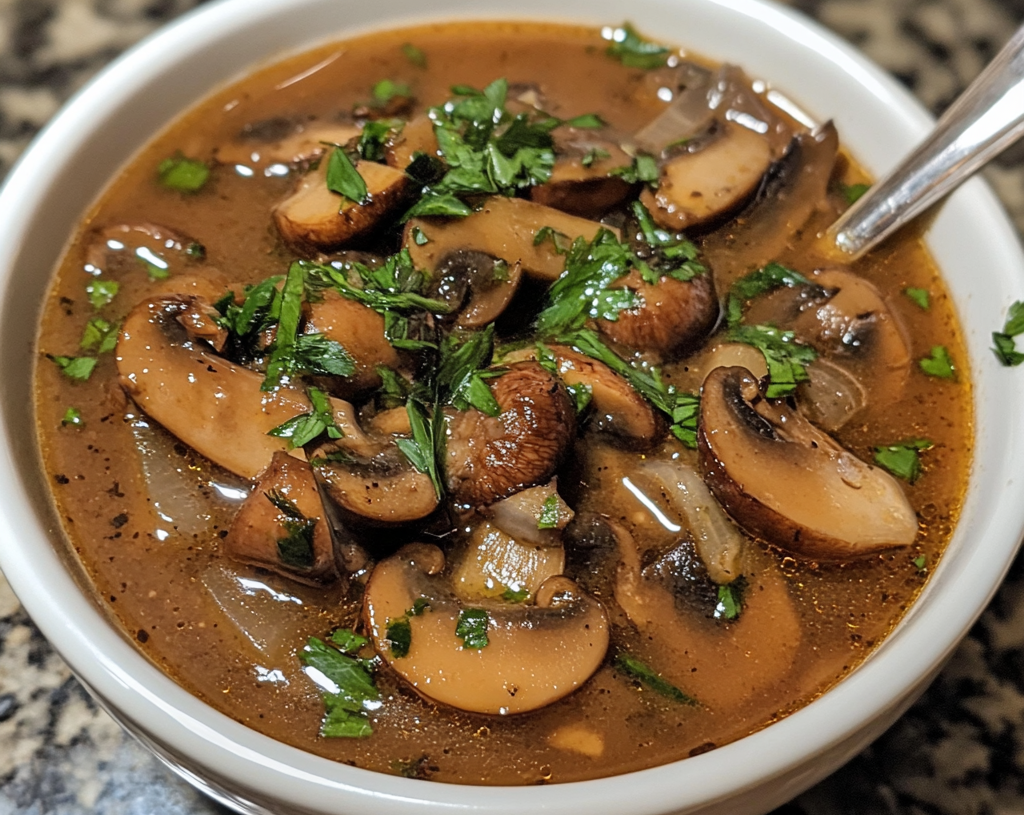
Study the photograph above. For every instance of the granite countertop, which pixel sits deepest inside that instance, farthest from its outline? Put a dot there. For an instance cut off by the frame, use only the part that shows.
(960, 749)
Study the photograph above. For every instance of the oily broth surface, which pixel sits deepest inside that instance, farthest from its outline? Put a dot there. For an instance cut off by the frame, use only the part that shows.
(153, 555)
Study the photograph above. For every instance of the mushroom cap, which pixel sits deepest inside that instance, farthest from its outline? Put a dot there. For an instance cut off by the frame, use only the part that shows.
(474, 287)
(536, 654)
(789, 483)
(492, 457)
(673, 317)
(584, 189)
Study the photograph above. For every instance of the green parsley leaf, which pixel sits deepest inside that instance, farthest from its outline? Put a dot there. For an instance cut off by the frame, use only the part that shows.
(559, 240)
(387, 89)
(425, 169)
(853, 192)
(195, 251)
(633, 51)
(581, 395)
(422, 449)
(101, 292)
(375, 135)
(787, 359)
(100, 335)
(419, 237)
(635, 669)
(302, 429)
(588, 121)
(414, 55)
(282, 357)
(78, 368)
(594, 154)
(317, 355)
(1003, 344)
(183, 174)
(72, 418)
(343, 178)
(296, 548)
(511, 595)
(419, 606)
(673, 254)
(920, 562)
(347, 641)
(350, 694)
(472, 628)
(462, 371)
(548, 513)
(938, 364)
(399, 637)
(440, 204)
(730, 600)
(643, 169)
(761, 281)
(919, 296)
(685, 415)
(903, 459)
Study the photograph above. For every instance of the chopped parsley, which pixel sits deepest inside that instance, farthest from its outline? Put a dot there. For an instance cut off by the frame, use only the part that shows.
(472, 628)
(852, 193)
(422, 448)
(302, 429)
(633, 51)
(77, 368)
(637, 670)
(761, 281)
(99, 336)
(317, 355)
(419, 237)
(156, 267)
(387, 89)
(903, 460)
(101, 292)
(594, 154)
(920, 296)
(511, 595)
(559, 240)
(1003, 344)
(643, 169)
(414, 55)
(72, 418)
(921, 562)
(669, 254)
(588, 121)
(296, 548)
(730, 600)
(786, 358)
(345, 683)
(289, 314)
(183, 174)
(399, 630)
(938, 363)
(343, 178)
(440, 204)
(462, 373)
(548, 518)
(374, 136)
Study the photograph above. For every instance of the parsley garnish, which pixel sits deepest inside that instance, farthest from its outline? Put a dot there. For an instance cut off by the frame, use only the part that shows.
(101, 292)
(99, 335)
(938, 364)
(351, 693)
(511, 595)
(730, 600)
(1003, 344)
(72, 418)
(421, 449)
(462, 372)
(852, 192)
(419, 237)
(441, 204)
(786, 358)
(902, 460)
(387, 89)
(183, 174)
(673, 254)
(317, 355)
(375, 134)
(414, 55)
(635, 669)
(588, 121)
(399, 637)
(761, 281)
(644, 168)
(919, 296)
(343, 178)
(920, 562)
(559, 240)
(633, 51)
(296, 549)
(592, 155)
(548, 518)
(289, 302)
(302, 429)
(472, 628)
(78, 368)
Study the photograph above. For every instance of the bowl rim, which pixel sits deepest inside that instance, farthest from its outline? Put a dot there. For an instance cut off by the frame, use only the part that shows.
(147, 700)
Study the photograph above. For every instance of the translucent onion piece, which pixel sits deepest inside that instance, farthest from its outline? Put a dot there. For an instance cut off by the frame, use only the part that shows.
(493, 563)
(833, 395)
(719, 543)
(518, 515)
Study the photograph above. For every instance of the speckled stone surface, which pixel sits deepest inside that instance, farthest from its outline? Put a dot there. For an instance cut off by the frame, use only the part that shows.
(959, 750)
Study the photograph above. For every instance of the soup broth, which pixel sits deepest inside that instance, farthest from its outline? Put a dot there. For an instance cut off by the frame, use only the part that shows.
(701, 629)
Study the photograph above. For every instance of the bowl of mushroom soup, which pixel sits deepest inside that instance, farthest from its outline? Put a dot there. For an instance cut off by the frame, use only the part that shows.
(808, 79)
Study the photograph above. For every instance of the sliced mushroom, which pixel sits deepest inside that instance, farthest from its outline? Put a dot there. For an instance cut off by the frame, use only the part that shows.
(139, 245)
(360, 331)
(535, 654)
(672, 319)
(314, 217)
(212, 405)
(495, 565)
(711, 180)
(793, 188)
(476, 286)
(580, 182)
(391, 422)
(504, 228)
(284, 143)
(788, 482)
(492, 457)
(417, 136)
(383, 489)
(281, 527)
(723, 665)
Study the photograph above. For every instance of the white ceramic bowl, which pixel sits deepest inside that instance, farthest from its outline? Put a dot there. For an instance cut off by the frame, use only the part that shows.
(137, 96)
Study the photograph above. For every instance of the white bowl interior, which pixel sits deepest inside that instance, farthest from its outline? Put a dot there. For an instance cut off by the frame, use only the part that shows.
(113, 117)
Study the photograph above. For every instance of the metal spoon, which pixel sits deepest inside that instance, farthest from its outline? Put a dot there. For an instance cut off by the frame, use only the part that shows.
(987, 118)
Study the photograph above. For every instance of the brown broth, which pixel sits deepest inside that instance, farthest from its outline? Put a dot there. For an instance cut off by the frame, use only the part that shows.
(154, 574)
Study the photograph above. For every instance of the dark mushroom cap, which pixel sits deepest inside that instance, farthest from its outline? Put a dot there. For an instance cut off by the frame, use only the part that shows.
(492, 457)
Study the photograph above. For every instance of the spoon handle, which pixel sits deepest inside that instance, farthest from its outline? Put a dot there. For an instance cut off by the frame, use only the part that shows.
(983, 121)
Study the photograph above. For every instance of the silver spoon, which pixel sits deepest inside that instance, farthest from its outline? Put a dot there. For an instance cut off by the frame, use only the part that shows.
(986, 118)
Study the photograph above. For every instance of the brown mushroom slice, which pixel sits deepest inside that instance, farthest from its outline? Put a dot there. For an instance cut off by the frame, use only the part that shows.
(381, 490)
(535, 655)
(704, 656)
(301, 144)
(360, 331)
(212, 405)
(672, 319)
(417, 136)
(712, 181)
(536, 515)
(784, 480)
(581, 183)
(280, 526)
(313, 216)
(504, 228)
(794, 187)
(492, 457)
(138, 245)
(391, 422)
(495, 565)
(476, 286)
